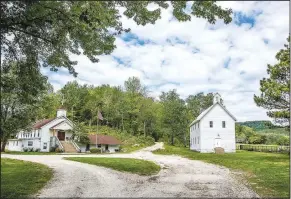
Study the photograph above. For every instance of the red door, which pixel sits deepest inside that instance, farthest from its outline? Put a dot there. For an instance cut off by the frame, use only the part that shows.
(61, 135)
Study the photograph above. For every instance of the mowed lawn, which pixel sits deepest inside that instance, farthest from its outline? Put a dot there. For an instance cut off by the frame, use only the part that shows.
(267, 173)
(29, 153)
(22, 179)
(137, 166)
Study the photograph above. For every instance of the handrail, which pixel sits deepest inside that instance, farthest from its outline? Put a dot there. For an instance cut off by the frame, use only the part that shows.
(59, 142)
(75, 145)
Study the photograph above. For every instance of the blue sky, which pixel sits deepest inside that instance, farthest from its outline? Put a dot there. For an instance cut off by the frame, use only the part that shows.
(195, 56)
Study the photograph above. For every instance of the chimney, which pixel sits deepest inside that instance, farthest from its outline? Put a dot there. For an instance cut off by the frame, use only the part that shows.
(61, 112)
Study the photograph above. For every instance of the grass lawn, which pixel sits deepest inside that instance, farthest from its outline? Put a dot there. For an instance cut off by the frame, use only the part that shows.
(268, 173)
(28, 153)
(141, 167)
(22, 179)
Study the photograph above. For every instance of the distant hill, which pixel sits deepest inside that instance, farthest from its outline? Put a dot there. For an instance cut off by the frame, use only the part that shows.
(259, 125)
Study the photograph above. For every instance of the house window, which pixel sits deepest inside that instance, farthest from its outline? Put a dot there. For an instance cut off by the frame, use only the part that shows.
(211, 124)
(29, 143)
(99, 145)
(38, 133)
(223, 124)
(16, 143)
(34, 134)
(44, 145)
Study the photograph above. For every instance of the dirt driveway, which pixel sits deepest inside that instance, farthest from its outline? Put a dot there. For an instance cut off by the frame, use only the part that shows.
(179, 177)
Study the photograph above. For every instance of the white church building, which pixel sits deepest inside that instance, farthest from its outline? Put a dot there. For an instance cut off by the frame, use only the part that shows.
(45, 134)
(214, 127)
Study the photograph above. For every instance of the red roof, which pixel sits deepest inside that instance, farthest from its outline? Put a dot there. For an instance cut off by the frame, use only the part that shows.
(104, 139)
(41, 123)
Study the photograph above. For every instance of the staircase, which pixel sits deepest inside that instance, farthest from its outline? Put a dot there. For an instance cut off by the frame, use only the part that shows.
(68, 147)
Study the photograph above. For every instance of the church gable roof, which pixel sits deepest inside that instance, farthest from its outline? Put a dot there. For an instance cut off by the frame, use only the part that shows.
(208, 110)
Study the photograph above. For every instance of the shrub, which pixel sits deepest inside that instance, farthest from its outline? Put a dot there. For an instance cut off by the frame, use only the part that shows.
(59, 150)
(30, 149)
(37, 150)
(25, 149)
(95, 150)
(53, 149)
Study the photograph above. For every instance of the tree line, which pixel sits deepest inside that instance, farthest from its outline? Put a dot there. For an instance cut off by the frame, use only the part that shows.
(128, 108)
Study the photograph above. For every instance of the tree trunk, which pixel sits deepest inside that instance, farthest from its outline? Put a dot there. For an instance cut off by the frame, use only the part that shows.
(4, 142)
(122, 123)
(90, 122)
(144, 130)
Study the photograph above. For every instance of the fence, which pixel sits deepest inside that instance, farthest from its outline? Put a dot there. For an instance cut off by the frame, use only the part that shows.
(263, 148)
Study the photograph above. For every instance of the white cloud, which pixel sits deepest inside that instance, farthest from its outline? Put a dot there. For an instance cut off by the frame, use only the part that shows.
(163, 65)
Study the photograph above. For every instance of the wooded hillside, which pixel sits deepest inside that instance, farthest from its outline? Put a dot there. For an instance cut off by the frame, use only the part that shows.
(129, 108)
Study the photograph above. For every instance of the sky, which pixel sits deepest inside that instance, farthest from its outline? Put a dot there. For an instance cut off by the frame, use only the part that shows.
(195, 56)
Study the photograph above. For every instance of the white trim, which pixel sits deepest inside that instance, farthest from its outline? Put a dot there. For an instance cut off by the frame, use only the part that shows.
(204, 113)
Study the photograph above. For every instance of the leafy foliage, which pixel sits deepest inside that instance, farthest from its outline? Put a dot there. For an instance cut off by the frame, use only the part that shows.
(275, 90)
(20, 96)
(51, 31)
(95, 150)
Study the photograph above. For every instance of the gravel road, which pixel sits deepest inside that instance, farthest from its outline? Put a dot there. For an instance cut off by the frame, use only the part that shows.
(180, 177)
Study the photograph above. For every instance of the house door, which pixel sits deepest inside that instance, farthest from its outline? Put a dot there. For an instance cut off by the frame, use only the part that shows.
(61, 135)
(106, 147)
(217, 142)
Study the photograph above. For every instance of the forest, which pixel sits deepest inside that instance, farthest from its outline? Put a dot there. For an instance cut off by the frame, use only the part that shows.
(128, 109)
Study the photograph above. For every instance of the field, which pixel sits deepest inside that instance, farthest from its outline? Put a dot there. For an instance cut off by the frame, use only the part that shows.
(22, 179)
(141, 167)
(267, 173)
(278, 131)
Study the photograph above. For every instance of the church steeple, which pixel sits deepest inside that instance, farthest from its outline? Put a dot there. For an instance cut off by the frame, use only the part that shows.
(216, 98)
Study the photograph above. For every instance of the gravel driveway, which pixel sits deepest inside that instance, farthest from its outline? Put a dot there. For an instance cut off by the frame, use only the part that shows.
(180, 177)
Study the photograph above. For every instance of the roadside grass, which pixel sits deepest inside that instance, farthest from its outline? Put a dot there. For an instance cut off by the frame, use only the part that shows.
(28, 153)
(21, 179)
(267, 173)
(137, 166)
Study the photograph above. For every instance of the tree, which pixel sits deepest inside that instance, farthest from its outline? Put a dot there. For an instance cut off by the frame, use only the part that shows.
(52, 30)
(275, 90)
(174, 115)
(20, 96)
(197, 103)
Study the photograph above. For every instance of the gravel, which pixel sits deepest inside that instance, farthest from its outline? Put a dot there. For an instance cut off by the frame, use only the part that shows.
(179, 177)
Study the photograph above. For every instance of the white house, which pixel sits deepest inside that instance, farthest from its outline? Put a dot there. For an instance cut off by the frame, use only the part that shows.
(45, 134)
(214, 127)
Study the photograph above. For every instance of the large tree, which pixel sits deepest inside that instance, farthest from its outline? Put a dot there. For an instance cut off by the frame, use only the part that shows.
(53, 30)
(20, 96)
(275, 90)
(174, 115)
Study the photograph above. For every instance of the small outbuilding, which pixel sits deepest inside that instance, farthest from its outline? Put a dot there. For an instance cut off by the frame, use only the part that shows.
(106, 143)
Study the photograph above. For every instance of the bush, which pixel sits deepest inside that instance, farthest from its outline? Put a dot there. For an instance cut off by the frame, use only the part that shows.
(37, 150)
(53, 149)
(59, 150)
(95, 150)
(30, 149)
(25, 149)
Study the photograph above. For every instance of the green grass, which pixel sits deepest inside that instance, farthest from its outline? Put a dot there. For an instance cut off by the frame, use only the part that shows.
(268, 173)
(22, 179)
(28, 153)
(137, 166)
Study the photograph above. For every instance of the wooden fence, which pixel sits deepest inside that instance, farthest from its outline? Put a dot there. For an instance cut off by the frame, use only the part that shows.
(263, 148)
